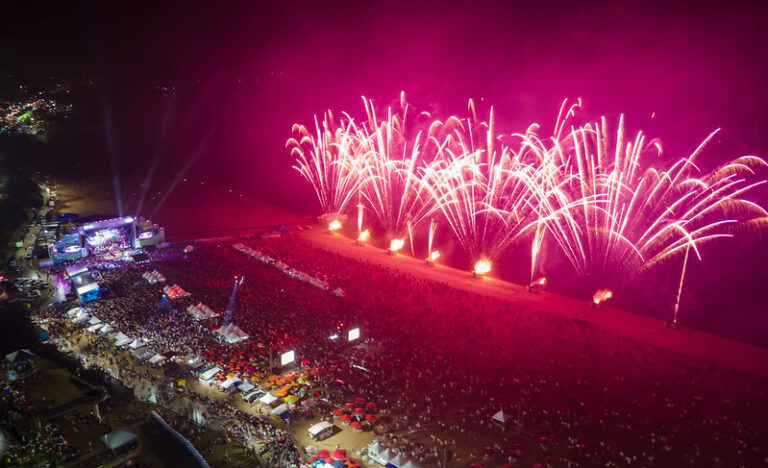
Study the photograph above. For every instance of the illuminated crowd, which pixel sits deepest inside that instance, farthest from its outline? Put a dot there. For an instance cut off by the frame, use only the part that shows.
(441, 362)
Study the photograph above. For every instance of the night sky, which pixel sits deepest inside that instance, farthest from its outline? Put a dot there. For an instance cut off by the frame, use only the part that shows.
(243, 72)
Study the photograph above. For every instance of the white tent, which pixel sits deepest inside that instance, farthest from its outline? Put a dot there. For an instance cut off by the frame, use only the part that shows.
(94, 328)
(280, 409)
(387, 455)
(86, 288)
(410, 464)
(268, 399)
(397, 460)
(122, 340)
(210, 373)
(501, 417)
(81, 318)
(75, 270)
(137, 343)
(245, 387)
(120, 336)
(231, 383)
(375, 448)
(94, 321)
(106, 329)
(156, 359)
(232, 333)
(73, 312)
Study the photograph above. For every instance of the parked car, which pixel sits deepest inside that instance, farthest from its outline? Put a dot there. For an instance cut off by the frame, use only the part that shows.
(34, 293)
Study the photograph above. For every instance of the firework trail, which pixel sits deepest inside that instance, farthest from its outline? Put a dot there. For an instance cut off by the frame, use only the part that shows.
(327, 158)
(612, 216)
(391, 154)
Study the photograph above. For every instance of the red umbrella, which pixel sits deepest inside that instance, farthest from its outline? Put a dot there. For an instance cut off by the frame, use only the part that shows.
(339, 455)
(305, 361)
(370, 405)
(355, 425)
(328, 460)
(337, 412)
(360, 400)
(349, 405)
(359, 410)
(370, 417)
(322, 453)
(345, 417)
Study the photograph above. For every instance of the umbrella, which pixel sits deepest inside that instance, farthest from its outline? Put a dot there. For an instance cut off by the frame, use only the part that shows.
(281, 393)
(291, 399)
(339, 455)
(359, 410)
(370, 405)
(337, 412)
(345, 417)
(349, 405)
(356, 425)
(360, 400)
(370, 417)
(322, 453)
(304, 361)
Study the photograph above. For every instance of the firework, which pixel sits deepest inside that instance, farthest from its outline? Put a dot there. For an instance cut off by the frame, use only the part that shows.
(609, 216)
(482, 267)
(607, 201)
(334, 225)
(327, 160)
(395, 245)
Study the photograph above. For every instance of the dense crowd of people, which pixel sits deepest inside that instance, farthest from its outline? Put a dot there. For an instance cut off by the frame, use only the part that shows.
(441, 363)
(35, 441)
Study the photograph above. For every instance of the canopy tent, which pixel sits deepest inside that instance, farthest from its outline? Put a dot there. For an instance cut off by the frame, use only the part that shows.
(201, 312)
(210, 373)
(18, 355)
(94, 321)
(282, 411)
(254, 395)
(115, 440)
(156, 359)
(232, 333)
(75, 311)
(502, 417)
(410, 464)
(107, 328)
(153, 277)
(82, 317)
(231, 383)
(76, 270)
(87, 290)
(142, 353)
(122, 340)
(174, 292)
(137, 343)
(268, 399)
(246, 387)
(94, 328)
(397, 460)
(375, 448)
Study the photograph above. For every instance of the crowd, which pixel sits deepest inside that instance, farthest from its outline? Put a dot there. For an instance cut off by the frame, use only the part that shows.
(36, 441)
(441, 362)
